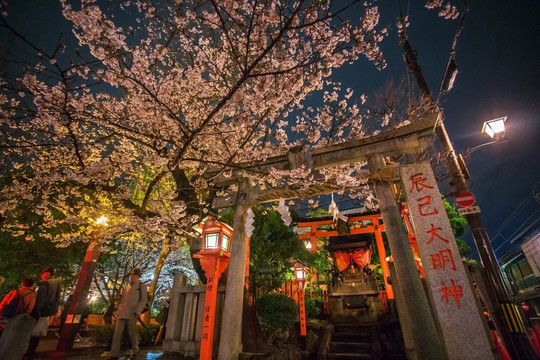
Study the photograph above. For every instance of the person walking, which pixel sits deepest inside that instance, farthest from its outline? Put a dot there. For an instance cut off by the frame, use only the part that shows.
(131, 307)
(48, 295)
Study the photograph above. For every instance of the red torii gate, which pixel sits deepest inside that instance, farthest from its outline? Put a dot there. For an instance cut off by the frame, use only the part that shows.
(376, 227)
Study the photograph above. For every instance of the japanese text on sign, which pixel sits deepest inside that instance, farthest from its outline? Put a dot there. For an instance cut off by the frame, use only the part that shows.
(445, 274)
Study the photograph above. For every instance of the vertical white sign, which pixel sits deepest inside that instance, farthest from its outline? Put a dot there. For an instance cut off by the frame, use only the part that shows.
(463, 333)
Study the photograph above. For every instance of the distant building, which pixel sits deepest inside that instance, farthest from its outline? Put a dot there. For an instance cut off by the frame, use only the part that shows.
(521, 272)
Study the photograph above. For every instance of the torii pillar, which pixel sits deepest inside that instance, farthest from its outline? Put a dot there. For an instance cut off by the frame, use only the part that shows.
(230, 342)
(423, 328)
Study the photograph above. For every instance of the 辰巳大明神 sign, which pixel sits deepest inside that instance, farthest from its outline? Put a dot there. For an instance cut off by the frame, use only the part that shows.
(458, 315)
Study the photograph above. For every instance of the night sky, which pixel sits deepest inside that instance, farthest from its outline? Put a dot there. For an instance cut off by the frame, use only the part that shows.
(498, 57)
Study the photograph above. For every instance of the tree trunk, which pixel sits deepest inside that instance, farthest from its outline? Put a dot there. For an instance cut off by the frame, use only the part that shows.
(157, 271)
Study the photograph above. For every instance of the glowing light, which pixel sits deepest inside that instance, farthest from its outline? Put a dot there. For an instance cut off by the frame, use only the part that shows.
(299, 271)
(102, 221)
(495, 128)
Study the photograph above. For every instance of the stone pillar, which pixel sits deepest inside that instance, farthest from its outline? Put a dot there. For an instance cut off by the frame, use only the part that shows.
(462, 332)
(404, 320)
(174, 325)
(424, 331)
(14, 340)
(230, 344)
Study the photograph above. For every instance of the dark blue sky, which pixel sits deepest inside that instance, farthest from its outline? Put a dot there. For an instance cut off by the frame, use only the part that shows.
(498, 56)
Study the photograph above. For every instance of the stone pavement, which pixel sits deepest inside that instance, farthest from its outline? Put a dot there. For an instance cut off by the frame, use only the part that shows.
(83, 349)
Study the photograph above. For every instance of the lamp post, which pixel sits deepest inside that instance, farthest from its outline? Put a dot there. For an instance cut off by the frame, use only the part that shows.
(300, 272)
(78, 300)
(214, 258)
(501, 307)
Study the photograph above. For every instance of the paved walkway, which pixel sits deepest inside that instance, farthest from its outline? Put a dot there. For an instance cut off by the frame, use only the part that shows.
(84, 350)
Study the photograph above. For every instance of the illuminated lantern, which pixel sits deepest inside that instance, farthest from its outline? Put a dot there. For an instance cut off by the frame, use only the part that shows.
(300, 273)
(216, 235)
(214, 258)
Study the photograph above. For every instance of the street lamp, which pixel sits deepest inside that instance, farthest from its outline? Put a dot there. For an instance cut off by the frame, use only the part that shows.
(214, 258)
(300, 272)
(102, 220)
(495, 128)
(502, 309)
(78, 301)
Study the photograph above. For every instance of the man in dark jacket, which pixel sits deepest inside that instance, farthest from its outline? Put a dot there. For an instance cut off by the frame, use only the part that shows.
(48, 293)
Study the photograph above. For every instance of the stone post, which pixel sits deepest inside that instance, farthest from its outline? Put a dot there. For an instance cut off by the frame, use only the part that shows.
(16, 336)
(462, 332)
(424, 331)
(174, 327)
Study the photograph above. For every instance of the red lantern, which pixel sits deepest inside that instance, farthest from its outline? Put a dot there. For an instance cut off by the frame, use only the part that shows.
(300, 273)
(214, 258)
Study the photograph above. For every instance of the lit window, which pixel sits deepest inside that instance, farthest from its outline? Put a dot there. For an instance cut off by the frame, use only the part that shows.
(225, 243)
(211, 241)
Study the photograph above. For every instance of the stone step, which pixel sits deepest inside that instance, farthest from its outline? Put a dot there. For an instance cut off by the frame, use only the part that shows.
(352, 347)
(352, 337)
(353, 329)
(353, 341)
(351, 356)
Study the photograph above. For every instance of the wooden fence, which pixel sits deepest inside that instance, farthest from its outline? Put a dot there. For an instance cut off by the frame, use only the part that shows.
(184, 323)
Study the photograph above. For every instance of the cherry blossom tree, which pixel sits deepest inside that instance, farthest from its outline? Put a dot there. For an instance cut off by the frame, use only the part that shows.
(128, 131)
(161, 92)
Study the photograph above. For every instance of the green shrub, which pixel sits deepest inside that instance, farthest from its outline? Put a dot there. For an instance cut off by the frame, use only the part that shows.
(313, 307)
(277, 313)
(102, 334)
(147, 334)
(98, 307)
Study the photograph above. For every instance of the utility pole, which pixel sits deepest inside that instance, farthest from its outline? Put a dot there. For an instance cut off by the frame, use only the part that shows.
(503, 311)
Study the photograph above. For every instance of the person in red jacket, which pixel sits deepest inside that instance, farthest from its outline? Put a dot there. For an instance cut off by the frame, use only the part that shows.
(26, 291)
(29, 299)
